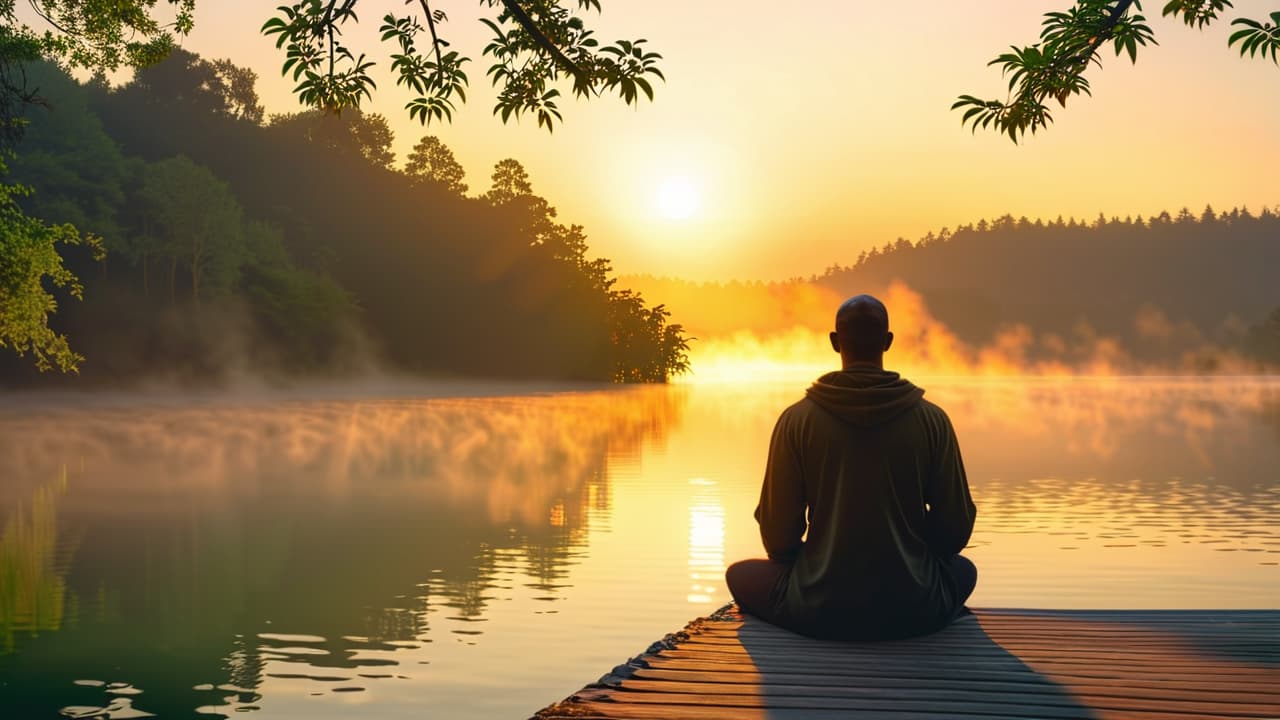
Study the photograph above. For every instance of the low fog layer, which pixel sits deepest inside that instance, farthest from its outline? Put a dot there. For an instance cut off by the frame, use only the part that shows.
(924, 345)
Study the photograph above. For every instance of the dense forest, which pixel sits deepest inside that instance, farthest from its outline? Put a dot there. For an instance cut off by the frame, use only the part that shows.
(1160, 287)
(232, 242)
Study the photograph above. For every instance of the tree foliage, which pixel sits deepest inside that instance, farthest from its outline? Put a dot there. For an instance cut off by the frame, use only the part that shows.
(433, 162)
(1071, 41)
(78, 34)
(643, 345)
(1263, 340)
(98, 35)
(368, 134)
(29, 258)
(197, 222)
(536, 45)
(646, 347)
(276, 267)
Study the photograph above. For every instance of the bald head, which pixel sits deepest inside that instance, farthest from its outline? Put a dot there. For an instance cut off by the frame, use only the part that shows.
(862, 330)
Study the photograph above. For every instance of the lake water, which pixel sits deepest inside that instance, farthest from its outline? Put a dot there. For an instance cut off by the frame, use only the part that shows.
(391, 556)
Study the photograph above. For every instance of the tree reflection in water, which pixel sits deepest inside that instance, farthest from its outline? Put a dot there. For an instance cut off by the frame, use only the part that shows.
(351, 522)
(33, 597)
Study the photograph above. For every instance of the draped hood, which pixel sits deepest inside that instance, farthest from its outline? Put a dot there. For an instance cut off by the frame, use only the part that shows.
(864, 397)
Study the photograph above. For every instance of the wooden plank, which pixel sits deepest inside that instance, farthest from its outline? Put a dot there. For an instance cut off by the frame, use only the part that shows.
(1186, 633)
(1041, 694)
(640, 712)
(1258, 640)
(1260, 652)
(1118, 627)
(1262, 649)
(1066, 656)
(723, 703)
(1226, 680)
(633, 712)
(1171, 615)
(1053, 622)
(995, 705)
(923, 668)
(1140, 687)
(1081, 630)
(1248, 633)
(941, 664)
(1063, 634)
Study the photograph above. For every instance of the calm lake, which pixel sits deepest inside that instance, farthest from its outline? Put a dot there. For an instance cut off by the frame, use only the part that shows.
(388, 555)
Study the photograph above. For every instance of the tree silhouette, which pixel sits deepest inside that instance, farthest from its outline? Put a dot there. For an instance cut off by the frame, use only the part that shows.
(272, 263)
(535, 45)
(199, 222)
(432, 161)
(643, 346)
(510, 181)
(1263, 340)
(1053, 69)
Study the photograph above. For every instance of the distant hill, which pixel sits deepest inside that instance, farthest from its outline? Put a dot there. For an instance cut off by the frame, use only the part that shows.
(1158, 287)
(1217, 272)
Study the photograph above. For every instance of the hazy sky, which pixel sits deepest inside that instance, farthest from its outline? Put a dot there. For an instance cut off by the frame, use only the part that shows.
(810, 134)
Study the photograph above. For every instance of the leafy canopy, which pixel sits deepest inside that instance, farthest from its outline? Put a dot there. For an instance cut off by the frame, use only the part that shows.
(1053, 69)
(432, 161)
(197, 221)
(535, 45)
(98, 35)
(28, 258)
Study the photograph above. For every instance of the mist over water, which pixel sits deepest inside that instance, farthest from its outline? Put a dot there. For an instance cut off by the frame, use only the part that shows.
(290, 556)
(778, 331)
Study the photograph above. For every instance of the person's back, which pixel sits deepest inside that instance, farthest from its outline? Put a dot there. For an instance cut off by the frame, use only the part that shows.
(873, 473)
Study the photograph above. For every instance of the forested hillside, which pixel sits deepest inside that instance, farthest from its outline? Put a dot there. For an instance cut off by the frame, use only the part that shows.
(296, 244)
(1152, 283)
(1160, 287)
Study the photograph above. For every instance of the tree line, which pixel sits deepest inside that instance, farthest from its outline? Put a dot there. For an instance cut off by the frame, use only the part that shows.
(216, 236)
(1198, 277)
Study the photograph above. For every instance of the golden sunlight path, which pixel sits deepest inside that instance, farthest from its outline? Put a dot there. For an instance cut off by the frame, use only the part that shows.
(1142, 664)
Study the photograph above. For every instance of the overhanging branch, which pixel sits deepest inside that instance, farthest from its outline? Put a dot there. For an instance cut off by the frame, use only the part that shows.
(543, 41)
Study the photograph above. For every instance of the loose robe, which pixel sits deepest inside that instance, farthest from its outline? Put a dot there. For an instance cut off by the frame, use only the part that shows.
(872, 472)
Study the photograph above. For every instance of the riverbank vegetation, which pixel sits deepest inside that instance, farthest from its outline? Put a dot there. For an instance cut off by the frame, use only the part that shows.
(231, 241)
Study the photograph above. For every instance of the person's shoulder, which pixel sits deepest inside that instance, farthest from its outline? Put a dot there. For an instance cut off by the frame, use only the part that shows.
(933, 411)
(797, 410)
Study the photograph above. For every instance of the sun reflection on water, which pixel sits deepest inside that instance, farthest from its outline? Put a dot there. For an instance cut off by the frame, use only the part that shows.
(706, 542)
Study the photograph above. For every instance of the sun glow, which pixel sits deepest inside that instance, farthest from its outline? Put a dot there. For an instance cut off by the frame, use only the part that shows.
(678, 198)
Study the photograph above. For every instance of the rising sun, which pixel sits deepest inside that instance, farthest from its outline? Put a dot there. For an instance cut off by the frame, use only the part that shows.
(678, 198)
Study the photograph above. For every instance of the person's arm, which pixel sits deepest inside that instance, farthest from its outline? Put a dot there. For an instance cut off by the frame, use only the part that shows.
(951, 509)
(781, 512)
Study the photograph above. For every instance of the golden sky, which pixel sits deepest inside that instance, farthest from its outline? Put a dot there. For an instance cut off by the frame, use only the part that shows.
(809, 134)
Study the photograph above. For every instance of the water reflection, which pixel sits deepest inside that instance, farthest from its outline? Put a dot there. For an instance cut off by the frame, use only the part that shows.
(482, 557)
(706, 541)
(32, 588)
(1151, 493)
(1116, 427)
(370, 526)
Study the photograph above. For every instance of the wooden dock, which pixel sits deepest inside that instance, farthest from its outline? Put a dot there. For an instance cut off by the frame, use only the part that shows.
(1139, 665)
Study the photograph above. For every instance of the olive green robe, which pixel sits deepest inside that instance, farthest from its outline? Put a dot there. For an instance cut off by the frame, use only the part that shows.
(872, 472)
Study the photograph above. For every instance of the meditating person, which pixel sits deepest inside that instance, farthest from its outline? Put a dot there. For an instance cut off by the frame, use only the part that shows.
(872, 472)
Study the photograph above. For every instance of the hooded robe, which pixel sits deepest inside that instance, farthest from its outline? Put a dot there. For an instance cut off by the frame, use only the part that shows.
(872, 471)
